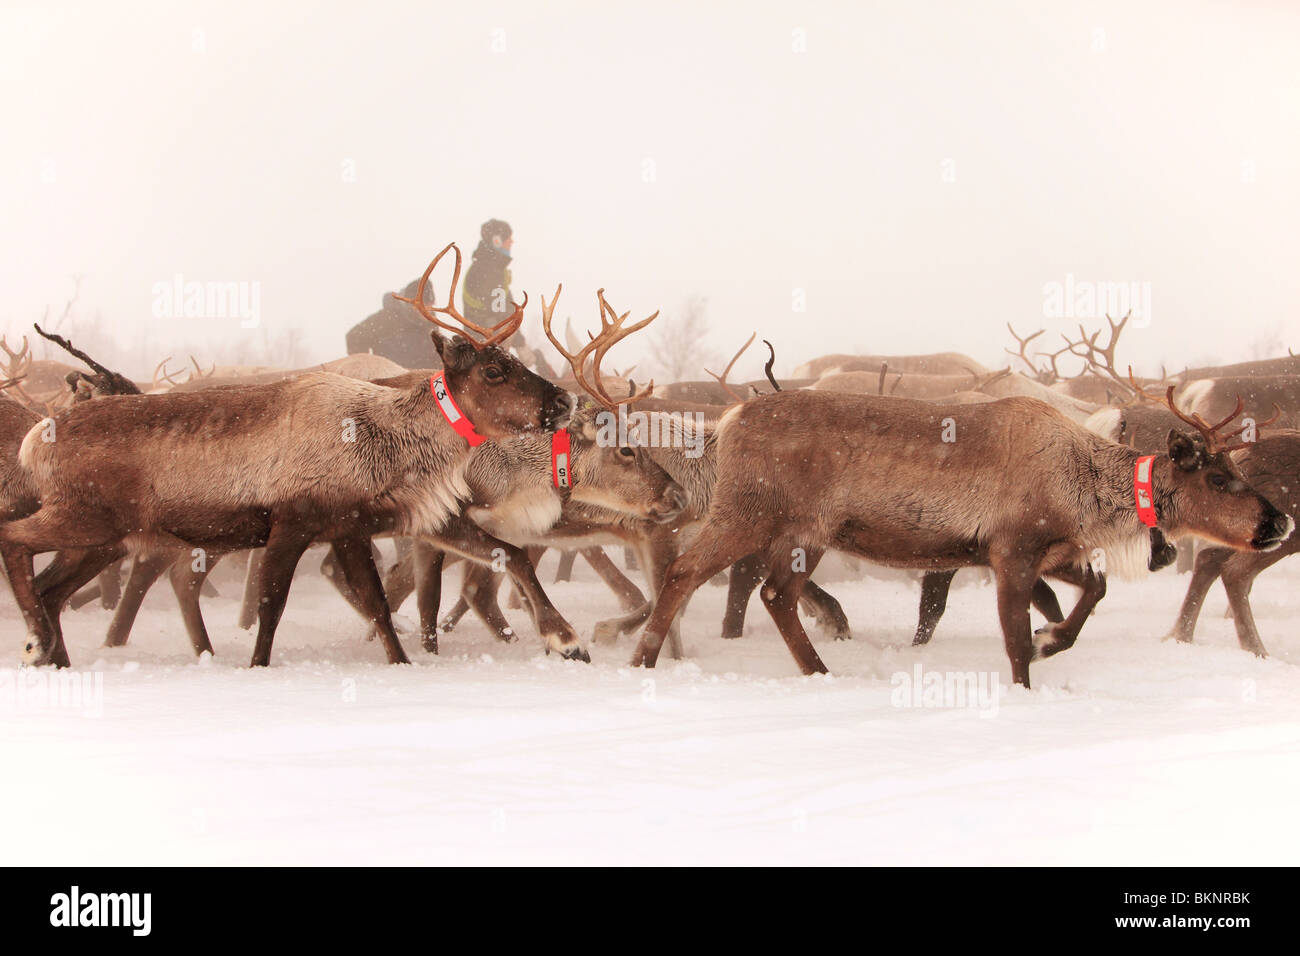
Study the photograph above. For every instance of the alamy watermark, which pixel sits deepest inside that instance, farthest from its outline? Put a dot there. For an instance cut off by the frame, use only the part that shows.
(29, 689)
(970, 690)
(191, 299)
(76, 908)
(685, 430)
(1089, 299)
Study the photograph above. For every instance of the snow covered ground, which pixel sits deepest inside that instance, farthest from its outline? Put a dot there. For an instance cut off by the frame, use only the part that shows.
(1127, 750)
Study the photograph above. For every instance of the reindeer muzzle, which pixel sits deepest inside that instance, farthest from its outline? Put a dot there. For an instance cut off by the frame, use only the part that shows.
(1274, 528)
(558, 411)
(669, 506)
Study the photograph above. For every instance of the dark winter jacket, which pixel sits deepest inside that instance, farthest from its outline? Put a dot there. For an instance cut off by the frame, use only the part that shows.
(486, 274)
(397, 332)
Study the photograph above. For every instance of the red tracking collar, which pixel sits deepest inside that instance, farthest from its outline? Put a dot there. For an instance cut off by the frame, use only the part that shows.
(1143, 495)
(561, 467)
(451, 411)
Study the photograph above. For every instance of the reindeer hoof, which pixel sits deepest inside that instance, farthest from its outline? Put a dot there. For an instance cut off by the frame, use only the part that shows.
(448, 625)
(430, 643)
(606, 632)
(575, 653)
(1044, 642)
(36, 656)
(507, 636)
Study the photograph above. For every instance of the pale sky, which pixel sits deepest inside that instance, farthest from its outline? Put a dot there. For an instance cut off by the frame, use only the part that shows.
(919, 170)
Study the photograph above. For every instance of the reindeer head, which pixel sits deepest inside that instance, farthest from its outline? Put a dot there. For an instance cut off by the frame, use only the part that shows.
(1211, 498)
(619, 476)
(494, 389)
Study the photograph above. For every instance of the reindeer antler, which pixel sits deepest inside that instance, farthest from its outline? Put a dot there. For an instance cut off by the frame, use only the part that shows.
(198, 370)
(492, 335)
(19, 361)
(160, 375)
(1023, 342)
(722, 379)
(1089, 342)
(612, 331)
(1215, 439)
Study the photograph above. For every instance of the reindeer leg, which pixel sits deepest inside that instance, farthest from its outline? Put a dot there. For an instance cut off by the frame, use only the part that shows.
(826, 610)
(780, 595)
(655, 554)
(91, 592)
(110, 585)
(1015, 575)
(426, 577)
(48, 529)
(284, 548)
(468, 539)
(564, 570)
(713, 550)
(479, 591)
(1206, 569)
(39, 647)
(629, 595)
(357, 561)
(1238, 577)
(1060, 636)
(252, 578)
(458, 610)
(1043, 598)
(68, 574)
(145, 570)
(399, 582)
(934, 600)
(187, 584)
(746, 574)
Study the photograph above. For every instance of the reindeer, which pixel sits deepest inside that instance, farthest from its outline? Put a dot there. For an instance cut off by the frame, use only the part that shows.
(1022, 489)
(277, 465)
(510, 484)
(1143, 425)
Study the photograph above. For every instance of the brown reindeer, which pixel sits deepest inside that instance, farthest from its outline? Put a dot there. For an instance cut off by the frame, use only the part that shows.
(278, 465)
(510, 494)
(1021, 488)
(1143, 426)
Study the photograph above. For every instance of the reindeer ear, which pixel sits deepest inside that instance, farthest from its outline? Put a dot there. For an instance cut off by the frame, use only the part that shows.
(457, 354)
(1187, 453)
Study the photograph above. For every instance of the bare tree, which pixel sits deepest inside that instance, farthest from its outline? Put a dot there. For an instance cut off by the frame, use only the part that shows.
(677, 347)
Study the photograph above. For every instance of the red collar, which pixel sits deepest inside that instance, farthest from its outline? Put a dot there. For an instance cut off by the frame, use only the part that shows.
(561, 466)
(1143, 495)
(457, 419)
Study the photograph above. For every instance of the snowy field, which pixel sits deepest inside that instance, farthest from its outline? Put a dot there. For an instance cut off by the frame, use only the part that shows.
(1128, 749)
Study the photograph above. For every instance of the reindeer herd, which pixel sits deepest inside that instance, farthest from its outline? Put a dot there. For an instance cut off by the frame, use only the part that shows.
(930, 463)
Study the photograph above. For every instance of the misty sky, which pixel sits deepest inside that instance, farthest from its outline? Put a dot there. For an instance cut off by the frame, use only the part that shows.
(919, 170)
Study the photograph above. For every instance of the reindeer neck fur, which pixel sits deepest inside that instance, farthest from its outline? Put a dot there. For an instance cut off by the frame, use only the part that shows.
(694, 473)
(411, 430)
(513, 495)
(1108, 517)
